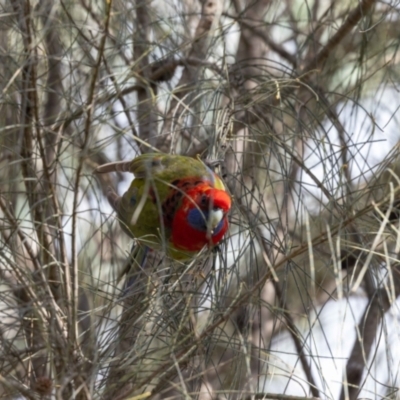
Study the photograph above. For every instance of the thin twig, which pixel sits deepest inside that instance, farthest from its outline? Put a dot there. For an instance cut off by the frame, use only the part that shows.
(354, 17)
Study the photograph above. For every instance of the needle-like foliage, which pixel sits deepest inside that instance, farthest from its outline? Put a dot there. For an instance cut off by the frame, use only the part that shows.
(294, 105)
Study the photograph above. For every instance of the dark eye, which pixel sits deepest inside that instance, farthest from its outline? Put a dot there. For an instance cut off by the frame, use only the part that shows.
(203, 201)
(133, 200)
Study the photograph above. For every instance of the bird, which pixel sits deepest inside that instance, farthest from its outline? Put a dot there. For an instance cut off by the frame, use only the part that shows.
(175, 203)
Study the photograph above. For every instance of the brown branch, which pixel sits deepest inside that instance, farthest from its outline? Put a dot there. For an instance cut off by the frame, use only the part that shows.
(67, 118)
(23, 238)
(30, 119)
(72, 284)
(295, 335)
(115, 42)
(209, 11)
(47, 142)
(316, 63)
(354, 17)
(254, 25)
(29, 290)
(11, 383)
(146, 108)
(360, 354)
(120, 98)
(292, 329)
(189, 343)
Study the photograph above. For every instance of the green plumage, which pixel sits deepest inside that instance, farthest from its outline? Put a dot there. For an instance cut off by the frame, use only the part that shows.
(140, 209)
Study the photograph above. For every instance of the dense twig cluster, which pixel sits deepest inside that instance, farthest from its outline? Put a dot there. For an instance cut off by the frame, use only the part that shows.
(294, 105)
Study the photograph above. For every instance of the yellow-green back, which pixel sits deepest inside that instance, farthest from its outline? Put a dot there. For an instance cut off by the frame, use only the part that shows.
(155, 176)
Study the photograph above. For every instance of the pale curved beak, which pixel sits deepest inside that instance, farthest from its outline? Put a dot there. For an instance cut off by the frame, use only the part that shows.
(214, 219)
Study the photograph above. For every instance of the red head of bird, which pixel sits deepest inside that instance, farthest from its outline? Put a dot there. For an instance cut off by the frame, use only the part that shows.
(201, 219)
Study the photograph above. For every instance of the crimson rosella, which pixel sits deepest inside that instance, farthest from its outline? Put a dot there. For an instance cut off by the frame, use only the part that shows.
(175, 203)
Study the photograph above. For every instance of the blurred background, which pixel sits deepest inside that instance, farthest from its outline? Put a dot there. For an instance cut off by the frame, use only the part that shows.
(296, 103)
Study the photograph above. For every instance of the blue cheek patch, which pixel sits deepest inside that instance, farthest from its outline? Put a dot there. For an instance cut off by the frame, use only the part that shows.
(197, 219)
